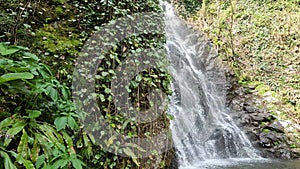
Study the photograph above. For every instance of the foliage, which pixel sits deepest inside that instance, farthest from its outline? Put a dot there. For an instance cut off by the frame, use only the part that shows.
(29, 125)
(56, 30)
(189, 7)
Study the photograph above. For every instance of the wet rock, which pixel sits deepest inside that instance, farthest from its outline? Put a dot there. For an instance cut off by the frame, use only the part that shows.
(240, 91)
(252, 135)
(269, 139)
(261, 117)
(276, 126)
(250, 109)
(261, 127)
(174, 163)
(223, 139)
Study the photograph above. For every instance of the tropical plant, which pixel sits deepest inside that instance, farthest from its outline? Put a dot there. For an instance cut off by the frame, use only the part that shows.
(28, 124)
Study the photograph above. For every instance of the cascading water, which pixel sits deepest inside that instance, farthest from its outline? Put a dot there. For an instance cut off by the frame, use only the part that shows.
(202, 128)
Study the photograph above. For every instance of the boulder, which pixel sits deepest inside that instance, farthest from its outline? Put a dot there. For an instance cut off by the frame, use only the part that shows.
(261, 117)
(275, 126)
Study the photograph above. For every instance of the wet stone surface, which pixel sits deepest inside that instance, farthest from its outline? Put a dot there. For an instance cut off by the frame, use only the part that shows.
(261, 127)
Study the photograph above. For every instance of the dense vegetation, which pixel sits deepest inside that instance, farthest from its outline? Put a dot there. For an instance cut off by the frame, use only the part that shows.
(259, 41)
(39, 123)
(40, 41)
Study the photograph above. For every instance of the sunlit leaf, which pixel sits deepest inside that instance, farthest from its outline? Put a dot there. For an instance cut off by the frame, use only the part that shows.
(77, 164)
(33, 114)
(61, 123)
(4, 50)
(40, 160)
(30, 56)
(7, 161)
(23, 148)
(15, 76)
(15, 129)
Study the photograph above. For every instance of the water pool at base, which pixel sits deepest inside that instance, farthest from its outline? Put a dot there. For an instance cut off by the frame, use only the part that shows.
(245, 164)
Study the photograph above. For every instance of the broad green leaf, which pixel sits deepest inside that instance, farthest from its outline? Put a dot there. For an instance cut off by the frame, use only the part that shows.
(51, 134)
(10, 51)
(27, 164)
(4, 50)
(59, 164)
(125, 124)
(46, 68)
(65, 92)
(111, 71)
(33, 114)
(134, 84)
(47, 166)
(43, 142)
(22, 47)
(72, 123)
(35, 150)
(23, 148)
(40, 160)
(77, 164)
(30, 56)
(19, 86)
(7, 161)
(5, 123)
(85, 139)
(69, 142)
(60, 123)
(15, 76)
(15, 129)
(54, 94)
(128, 89)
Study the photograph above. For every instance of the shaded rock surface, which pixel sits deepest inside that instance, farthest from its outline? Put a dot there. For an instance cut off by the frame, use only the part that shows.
(261, 127)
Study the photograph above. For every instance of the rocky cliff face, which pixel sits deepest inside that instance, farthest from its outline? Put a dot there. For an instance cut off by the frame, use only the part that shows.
(274, 136)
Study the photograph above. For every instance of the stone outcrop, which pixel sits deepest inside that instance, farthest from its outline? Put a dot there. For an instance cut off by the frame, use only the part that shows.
(263, 128)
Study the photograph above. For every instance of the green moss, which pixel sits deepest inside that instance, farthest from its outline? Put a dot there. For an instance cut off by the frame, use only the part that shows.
(293, 145)
(59, 10)
(262, 89)
(276, 143)
(57, 41)
(263, 124)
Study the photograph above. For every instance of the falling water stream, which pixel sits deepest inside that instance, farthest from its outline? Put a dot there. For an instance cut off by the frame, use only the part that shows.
(204, 134)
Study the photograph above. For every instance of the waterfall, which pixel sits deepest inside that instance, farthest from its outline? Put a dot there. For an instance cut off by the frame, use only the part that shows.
(202, 127)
